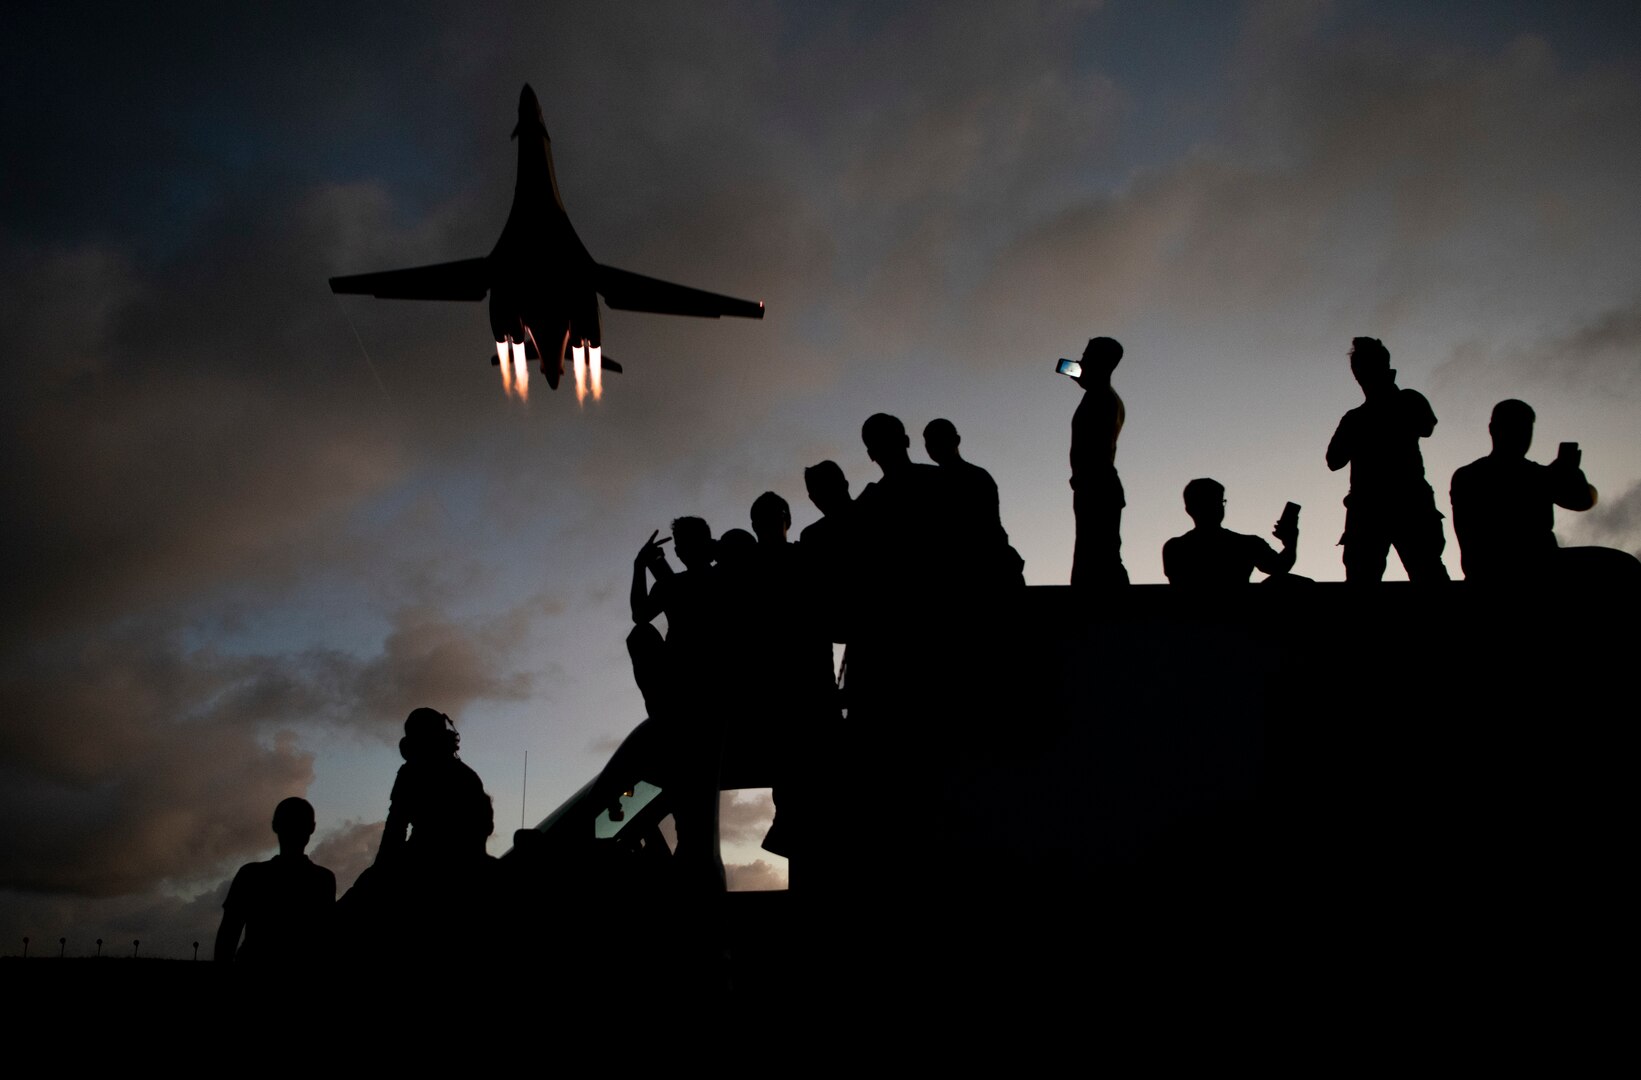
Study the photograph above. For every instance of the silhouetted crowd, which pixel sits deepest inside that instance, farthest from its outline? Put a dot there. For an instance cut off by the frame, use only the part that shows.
(1503, 504)
(909, 575)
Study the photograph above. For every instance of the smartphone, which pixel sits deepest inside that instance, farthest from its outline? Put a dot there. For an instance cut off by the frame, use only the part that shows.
(1073, 368)
(1290, 516)
(1568, 450)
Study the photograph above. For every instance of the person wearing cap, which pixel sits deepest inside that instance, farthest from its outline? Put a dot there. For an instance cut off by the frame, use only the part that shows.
(1097, 498)
(437, 798)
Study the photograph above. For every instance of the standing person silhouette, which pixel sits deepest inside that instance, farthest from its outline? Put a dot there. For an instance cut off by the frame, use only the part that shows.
(282, 906)
(691, 683)
(828, 489)
(978, 506)
(1390, 503)
(1097, 498)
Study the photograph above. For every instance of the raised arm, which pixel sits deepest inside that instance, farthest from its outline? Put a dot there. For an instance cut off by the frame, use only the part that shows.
(645, 604)
(1280, 562)
(1568, 486)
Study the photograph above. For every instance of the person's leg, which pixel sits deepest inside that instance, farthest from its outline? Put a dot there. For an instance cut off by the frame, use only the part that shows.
(1365, 555)
(1420, 541)
(1096, 560)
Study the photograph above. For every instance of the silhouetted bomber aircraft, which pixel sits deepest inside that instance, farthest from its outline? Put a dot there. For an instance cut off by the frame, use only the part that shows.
(542, 283)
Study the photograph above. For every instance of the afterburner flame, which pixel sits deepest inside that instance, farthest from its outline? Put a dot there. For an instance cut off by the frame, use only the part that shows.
(521, 371)
(578, 358)
(595, 366)
(506, 368)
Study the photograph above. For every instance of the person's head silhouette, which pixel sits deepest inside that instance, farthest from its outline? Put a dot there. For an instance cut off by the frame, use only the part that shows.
(293, 823)
(1512, 428)
(1370, 363)
(771, 518)
(940, 441)
(692, 540)
(1205, 502)
(1100, 358)
(429, 733)
(886, 440)
(827, 486)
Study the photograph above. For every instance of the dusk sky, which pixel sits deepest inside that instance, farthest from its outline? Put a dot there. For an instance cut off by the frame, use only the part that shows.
(250, 525)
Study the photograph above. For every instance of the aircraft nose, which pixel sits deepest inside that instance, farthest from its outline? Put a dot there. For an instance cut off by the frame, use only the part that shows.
(530, 116)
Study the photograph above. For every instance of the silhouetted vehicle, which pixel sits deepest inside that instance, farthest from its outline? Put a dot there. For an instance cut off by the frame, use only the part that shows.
(543, 285)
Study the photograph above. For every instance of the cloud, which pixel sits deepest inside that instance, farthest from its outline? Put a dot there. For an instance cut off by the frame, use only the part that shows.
(745, 816)
(1613, 522)
(194, 435)
(757, 876)
(166, 925)
(1601, 355)
(131, 760)
(347, 850)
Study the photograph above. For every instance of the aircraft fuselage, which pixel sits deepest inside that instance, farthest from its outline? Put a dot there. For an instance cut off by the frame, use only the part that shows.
(542, 283)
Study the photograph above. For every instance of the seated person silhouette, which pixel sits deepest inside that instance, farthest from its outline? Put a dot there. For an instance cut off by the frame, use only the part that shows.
(978, 505)
(1213, 555)
(1504, 510)
(437, 799)
(282, 906)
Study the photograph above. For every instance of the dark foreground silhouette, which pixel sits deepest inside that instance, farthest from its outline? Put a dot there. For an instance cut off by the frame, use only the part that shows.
(1212, 555)
(1390, 503)
(1162, 795)
(432, 880)
(1097, 498)
(282, 907)
(1504, 512)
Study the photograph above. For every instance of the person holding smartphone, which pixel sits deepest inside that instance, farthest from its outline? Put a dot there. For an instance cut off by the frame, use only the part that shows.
(1390, 503)
(1097, 495)
(1211, 554)
(1504, 504)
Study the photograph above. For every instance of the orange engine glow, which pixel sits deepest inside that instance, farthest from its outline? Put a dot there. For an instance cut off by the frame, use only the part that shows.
(521, 371)
(578, 357)
(595, 368)
(506, 365)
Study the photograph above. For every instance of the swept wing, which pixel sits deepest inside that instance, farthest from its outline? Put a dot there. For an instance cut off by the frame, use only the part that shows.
(627, 291)
(466, 279)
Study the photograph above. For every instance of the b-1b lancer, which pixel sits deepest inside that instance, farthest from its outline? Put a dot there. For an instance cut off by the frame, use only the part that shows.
(542, 283)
